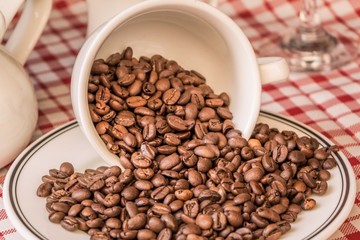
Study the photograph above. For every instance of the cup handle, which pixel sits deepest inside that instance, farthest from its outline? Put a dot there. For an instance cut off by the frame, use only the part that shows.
(273, 69)
(29, 27)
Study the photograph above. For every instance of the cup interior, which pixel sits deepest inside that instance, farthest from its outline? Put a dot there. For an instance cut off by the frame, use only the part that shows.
(198, 37)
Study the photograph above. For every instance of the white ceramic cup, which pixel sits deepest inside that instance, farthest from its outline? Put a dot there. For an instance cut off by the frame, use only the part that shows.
(18, 103)
(194, 34)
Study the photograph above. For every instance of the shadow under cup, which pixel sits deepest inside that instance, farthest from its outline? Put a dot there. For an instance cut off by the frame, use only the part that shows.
(198, 37)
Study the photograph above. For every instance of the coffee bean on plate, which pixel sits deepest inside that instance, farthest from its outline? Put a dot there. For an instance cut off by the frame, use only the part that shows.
(188, 173)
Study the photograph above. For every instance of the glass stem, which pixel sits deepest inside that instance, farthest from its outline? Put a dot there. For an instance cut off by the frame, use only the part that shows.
(308, 15)
(311, 34)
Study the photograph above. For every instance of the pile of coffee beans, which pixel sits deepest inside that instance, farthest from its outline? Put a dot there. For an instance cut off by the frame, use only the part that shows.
(189, 174)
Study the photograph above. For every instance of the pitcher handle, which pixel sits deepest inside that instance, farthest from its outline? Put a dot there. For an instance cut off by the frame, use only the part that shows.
(29, 27)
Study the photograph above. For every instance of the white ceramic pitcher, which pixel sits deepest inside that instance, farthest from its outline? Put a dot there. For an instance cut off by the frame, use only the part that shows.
(18, 104)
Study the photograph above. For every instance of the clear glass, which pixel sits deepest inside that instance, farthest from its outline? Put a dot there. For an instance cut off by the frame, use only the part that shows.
(310, 47)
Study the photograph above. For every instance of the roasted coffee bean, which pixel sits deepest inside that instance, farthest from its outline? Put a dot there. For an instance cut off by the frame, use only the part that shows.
(169, 162)
(135, 88)
(279, 153)
(324, 175)
(198, 100)
(126, 176)
(159, 180)
(242, 198)
(269, 163)
(191, 111)
(95, 223)
(130, 193)
(99, 67)
(188, 172)
(308, 204)
(219, 221)
(60, 207)
(211, 195)
(135, 101)
(162, 84)
(204, 221)
(194, 177)
(171, 96)
(170, 197)
(224, 113)
(160, 192)
(188, 157)
(160, 208)
(166, 149)
(170, 222)
(97, 207)
(234, 217)
(191, 208)
(75, 209)
(165, 234)
(140, 160)
(125, 118)
(207, 151)
(176, 205)
(69, 223)
(44, 189)
(131, 209)
(67, 168)
(144, 234)
(143, 185)
(155, 224)
(144, 173)
(204, 164)
(268, 214)
(191, 229)
(183, 194)
(272, 231)
(181, 184)
(284, 226)
(207, 113)
(320, 188)
(297, 157)
(137, 222)
(329, 163)
(56, 217)
(81, 194)
(142, 201)
(172, 139)
(113, 223)
(126, 80)
(253, 174)
(177, 123)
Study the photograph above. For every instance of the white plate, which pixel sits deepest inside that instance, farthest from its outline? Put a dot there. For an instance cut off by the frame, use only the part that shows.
(27, 212)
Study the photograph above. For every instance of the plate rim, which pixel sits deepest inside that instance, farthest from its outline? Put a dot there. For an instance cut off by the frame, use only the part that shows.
(334, 223)
(20, 162)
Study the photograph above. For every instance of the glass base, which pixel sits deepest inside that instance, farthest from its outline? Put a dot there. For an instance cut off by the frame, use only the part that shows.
(310, 50)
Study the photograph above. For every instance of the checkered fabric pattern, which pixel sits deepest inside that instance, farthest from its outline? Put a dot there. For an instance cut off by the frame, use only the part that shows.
(329, 102)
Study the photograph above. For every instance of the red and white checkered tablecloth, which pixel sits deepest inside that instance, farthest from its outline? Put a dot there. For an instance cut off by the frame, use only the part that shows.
(329, 102)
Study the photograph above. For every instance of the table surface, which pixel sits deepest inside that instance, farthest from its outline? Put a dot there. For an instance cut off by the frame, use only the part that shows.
(329, 101)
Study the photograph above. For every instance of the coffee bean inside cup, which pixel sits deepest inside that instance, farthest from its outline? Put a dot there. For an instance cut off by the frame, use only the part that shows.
(187, 171)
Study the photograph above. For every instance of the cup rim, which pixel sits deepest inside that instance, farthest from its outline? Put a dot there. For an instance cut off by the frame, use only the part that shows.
(96, 39)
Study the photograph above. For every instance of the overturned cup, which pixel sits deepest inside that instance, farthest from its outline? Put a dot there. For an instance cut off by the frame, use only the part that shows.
(197, 36)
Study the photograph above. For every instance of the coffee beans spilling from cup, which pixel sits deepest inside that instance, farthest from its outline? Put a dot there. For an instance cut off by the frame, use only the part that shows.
(188, 174)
